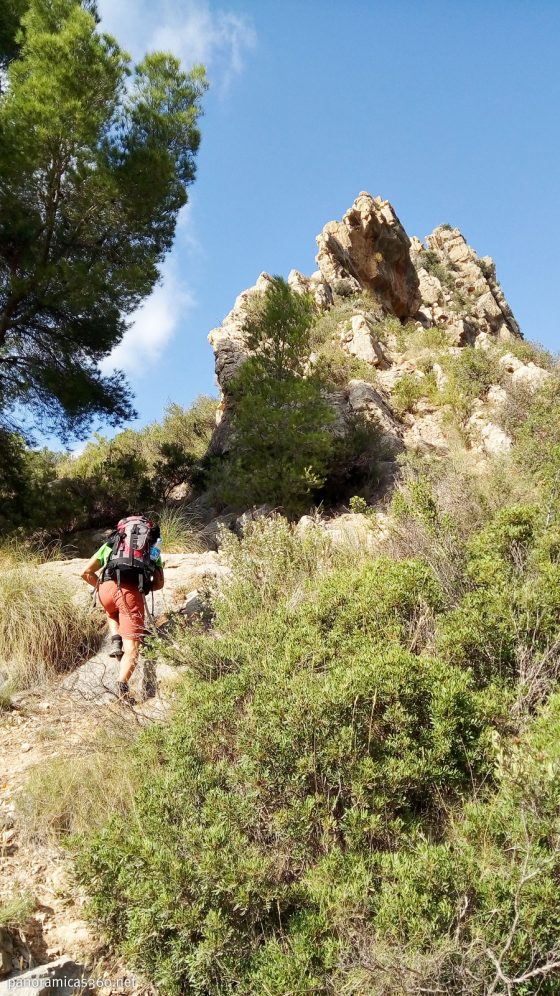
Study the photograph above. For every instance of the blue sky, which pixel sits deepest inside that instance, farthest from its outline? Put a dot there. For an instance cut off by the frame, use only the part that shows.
(449, 110)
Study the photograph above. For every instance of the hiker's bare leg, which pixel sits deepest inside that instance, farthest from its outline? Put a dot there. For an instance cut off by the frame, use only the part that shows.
(113, 626)
(129, 661)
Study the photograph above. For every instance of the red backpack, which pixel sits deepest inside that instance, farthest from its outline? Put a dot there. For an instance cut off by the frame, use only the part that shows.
(130, 557)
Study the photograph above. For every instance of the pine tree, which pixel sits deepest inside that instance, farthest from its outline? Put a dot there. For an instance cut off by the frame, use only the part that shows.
(94, 168)
(281, 439)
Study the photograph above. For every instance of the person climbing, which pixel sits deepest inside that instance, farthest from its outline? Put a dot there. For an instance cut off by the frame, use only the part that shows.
(131, 566)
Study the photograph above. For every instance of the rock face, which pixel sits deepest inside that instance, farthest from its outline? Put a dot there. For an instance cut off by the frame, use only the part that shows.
(459, 289)
(370, 250)
(441, 284)
(228, 340)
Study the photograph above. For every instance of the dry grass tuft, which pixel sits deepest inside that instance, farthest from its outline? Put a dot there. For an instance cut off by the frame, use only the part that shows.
(76, 793)
(43, 632)
(180, 530)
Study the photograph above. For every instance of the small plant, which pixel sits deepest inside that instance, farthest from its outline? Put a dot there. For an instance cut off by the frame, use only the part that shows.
(16, 911)
(180, 530)
(469, 376)
(335, 366)
(359, 505)
(410, 388)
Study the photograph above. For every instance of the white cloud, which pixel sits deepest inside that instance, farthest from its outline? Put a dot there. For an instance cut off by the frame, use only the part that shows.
(151, 327)
(194, 30)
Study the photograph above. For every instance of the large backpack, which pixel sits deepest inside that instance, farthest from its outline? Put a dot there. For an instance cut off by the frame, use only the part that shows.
(130, 557)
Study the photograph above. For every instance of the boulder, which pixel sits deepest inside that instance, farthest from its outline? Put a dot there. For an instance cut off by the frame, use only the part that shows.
(314, 285)
(361, 341)
(365, 400)
(493, 439)
(431, 290)
(252, 515)
(531, 375)
(497, 395)
(370, 250)
(64, 975)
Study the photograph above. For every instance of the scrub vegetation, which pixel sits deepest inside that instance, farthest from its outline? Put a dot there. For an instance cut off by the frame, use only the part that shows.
(358, 792)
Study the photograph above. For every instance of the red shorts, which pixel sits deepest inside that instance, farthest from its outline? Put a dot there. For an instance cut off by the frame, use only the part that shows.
(126, 606)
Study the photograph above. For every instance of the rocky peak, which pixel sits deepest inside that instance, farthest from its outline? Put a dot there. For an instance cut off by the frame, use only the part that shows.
(372, 271)
(459, 288)
(370, 250)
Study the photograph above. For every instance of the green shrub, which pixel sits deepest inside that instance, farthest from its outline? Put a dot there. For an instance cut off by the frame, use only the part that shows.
(281, 439)
(533, 419)
(434, 264)
(336, 367)
(476, 914)
(325, 738)
(514, 576)
(413, 341)
(409, 389)
(470, 374)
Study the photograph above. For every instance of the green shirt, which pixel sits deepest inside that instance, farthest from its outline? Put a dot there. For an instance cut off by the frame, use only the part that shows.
(105, 551)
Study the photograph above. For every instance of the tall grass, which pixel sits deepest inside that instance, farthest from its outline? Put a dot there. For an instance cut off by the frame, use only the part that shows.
(75, 794)
(43, 632)
(180, 530)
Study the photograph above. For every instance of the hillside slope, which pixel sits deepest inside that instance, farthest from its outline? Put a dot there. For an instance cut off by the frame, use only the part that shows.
(352, 785)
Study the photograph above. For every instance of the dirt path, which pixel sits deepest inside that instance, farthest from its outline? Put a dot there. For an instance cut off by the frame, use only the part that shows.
(61, 722)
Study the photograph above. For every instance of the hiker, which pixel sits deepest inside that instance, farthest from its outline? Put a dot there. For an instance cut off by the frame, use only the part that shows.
(130, 564)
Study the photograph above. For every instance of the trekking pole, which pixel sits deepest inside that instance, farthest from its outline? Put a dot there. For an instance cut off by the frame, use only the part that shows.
(94, 595)
(149, 615)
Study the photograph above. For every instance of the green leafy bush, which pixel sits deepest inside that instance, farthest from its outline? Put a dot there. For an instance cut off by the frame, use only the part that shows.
(409, 389)
(281, 439)
(476, 914)
(470, 373)
(322, 737)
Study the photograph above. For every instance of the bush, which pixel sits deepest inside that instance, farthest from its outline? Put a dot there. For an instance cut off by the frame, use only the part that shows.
(533, 419)
(409, 389)
(470, 374)
(323, 736)
(333, 364)
(48, 493)
(42, 630)
(281, 443)
(477, 912)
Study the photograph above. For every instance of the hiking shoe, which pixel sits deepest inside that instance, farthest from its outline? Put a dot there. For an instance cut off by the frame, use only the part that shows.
(117, 650)
(123, 693)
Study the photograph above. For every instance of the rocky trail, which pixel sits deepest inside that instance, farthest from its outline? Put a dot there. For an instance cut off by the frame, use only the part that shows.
(61, 722)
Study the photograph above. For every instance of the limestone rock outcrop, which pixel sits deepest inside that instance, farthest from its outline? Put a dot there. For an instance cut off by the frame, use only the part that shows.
(370, 250)
(228, 340)
(382, 280)
(458, 286)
